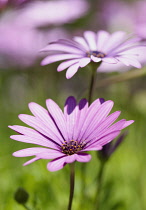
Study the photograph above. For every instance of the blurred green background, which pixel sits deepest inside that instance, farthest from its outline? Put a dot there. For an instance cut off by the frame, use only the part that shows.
(124, 182)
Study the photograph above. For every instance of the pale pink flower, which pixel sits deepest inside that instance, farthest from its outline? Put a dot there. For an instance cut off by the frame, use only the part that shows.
(93, 47)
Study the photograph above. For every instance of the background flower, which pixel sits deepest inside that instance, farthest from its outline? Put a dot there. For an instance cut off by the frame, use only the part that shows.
(93, 47)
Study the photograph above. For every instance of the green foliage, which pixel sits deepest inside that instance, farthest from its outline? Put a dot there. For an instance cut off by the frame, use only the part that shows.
(125, 172)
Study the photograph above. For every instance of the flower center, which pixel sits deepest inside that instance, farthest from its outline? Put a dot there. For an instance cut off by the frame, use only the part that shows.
(96, 54)
(72, 147)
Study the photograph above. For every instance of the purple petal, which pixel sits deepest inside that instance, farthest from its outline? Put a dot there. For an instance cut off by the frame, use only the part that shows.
(84, 61)
(129, 61)
(58, 117)
(127, 123)
(110, 60)
(70, 158)
(103, 140)
(90, 37)
(63, 48)
(72, 70)
(82, 41)
(94, 148)
(102, 37)
(81, 116)
(66, 64)
(83, 157)
(94, 106)
(31, 161)
(114, 40)
(58, 57)
(96, 118)
(43, 115)
(57, 164)
(39, 140)
(44, 129)
(103, 126)
(70, 112)
(36, 151)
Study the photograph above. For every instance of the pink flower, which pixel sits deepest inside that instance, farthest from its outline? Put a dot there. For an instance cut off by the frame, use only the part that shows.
(93, 47)
(68, 135)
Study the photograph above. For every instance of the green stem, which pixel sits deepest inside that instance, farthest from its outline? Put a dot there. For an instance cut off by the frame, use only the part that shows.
(72, 183)
(92, 81)
(99, 187)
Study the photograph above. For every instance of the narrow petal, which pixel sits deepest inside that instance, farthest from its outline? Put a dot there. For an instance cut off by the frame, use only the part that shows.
(58, 57)
(31, 161)
(110, 60)
(58, 117)
(43, 115)
(35, 151)
(90, 37)
(127, 123)
(70, 158)
(102, 37)
(114, 40)
(70, 113)
(83, 157)
(72, 70)
(130, 61)
(44, 129)
(66, 64)
(39, 140)
(96, 118)
(63, 48)
(82, 41)
(103, 140)
(94, 148)
(84, 61)
(80, 118)
(57, 164)
(100, 128)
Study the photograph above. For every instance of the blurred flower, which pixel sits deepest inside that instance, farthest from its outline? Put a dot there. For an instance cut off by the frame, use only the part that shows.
(67, 135)
(23, 27)
(56, 12)
(94, 47)
(15, 3)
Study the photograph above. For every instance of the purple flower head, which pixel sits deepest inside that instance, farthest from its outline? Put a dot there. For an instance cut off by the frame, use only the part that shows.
(93, 47)
(67, 136)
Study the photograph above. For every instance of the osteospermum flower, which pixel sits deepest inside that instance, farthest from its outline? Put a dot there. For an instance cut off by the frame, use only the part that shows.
(67, 135)
(93, 47)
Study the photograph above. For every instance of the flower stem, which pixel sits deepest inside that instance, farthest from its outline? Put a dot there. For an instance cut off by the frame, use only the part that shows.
(100, 181)
(72, 183)
(93, 67)
(91, 87)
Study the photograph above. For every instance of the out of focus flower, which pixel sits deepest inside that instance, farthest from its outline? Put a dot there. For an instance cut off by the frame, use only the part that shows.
(69, 134)
(23, 27)
(15, 3)
(41, 13)
(93, 47)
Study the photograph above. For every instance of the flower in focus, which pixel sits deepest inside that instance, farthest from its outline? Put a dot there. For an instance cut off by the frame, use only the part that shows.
(95, 47)
(67, 135)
